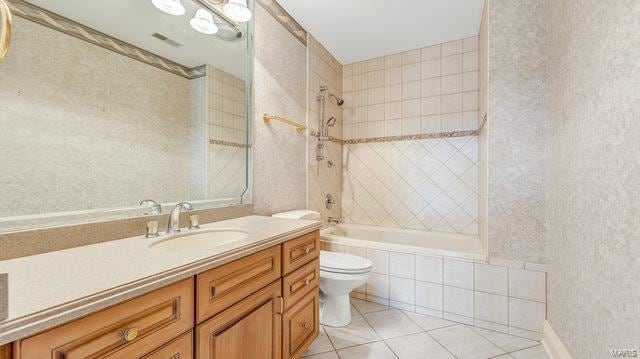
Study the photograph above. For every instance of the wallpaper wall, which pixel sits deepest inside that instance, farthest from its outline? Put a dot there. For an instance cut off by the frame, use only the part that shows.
(279, 152)
(592, 175)
(517, 109)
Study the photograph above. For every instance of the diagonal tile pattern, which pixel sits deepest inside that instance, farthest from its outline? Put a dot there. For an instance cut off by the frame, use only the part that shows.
(378, 331)
(429, 184)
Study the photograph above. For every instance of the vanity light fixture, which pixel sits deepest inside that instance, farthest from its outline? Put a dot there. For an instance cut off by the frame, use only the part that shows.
(237, 10)
(203, 22)
(171, 7)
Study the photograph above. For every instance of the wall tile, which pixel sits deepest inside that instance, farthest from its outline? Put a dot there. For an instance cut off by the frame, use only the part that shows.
(393, 93)
(451, 84)
(380, 260)
(411, 90)
(452, 47)
(431, 52)
(451, 103)
(411, 72)
(402, 265)
(429, 295)
(451, 65)
(410, 57)
(430, 87)
(378, 285)
(492, 308)
(411, 108)
(402, 290)
(393, 75)
(430, 68)
(458, 273)
(491, 279)
(392, 61)
(470, 61)
(470, 44)
(375, 79)
(429, 269)
(527, 284)
(458, 301)
(526, 314)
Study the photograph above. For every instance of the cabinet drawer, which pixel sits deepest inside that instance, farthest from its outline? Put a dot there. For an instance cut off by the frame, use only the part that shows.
(301, 325)
(221, 287)
(179, 348)
(300, 251)
(144, 322)
(300, 282)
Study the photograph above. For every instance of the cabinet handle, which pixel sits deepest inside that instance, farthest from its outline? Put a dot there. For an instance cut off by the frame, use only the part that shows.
(213, 292)
(130, 334)
(305, 325)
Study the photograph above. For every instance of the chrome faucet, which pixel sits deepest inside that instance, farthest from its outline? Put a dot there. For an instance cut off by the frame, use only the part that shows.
(156, 208)
(174, 218)
(333, 220)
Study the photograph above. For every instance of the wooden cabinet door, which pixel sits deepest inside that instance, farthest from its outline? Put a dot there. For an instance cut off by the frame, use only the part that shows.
(301, 325)
(250, 329)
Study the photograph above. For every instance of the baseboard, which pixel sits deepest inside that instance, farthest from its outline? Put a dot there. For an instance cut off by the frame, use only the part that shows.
(552, 344)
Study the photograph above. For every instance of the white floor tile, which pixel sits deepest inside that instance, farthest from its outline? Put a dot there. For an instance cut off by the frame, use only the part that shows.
(417, 346)
(506, 342)
(427, 322)
(391, 323)
(465, 343)
(367, 307)
(536, 352)
(378, 350)
(328, 355)
(320, 345)
(356, 333)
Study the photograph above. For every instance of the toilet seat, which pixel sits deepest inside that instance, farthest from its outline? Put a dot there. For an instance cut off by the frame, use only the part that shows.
(342, 263)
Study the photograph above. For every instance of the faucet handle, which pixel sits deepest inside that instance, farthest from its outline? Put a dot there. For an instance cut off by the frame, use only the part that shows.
(193, 221)
(152, 229)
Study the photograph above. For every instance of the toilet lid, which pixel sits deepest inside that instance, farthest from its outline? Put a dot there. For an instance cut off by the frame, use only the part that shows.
(343, 263)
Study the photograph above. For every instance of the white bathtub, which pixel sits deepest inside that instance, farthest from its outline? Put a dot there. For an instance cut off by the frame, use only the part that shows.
(438, 244)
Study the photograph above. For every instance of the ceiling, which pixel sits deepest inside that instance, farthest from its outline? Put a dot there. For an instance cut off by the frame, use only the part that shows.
(356, 30)
(135, 21)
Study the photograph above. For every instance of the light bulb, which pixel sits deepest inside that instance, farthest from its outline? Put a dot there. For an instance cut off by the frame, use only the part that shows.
(237, 10)
(171, 7)
(203, 22)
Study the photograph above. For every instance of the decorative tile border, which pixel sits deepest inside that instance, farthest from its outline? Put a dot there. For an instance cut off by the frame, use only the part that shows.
(227, 143)
(72, 28)
(484, 122)
(285, 19)
(420, 136)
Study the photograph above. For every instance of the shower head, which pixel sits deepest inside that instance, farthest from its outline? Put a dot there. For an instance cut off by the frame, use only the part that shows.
(339, 101)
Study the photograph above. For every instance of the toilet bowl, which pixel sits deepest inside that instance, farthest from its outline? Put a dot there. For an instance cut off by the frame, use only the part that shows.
(340, 273)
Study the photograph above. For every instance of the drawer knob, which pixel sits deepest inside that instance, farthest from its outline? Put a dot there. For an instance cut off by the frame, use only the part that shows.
(305, 325)
(307, 281)
(307, 250)
(130, 334)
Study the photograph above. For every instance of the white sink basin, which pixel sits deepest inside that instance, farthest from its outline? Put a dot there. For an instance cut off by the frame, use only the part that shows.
(200, 239)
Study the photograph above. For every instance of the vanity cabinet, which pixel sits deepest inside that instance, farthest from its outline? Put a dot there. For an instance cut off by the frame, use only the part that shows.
(263, 305)
(128, 330)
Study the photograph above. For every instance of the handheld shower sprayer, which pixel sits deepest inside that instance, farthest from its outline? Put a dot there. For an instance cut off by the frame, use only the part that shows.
(324, 126)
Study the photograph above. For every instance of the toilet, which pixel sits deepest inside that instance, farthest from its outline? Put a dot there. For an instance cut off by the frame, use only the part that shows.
(340, 273)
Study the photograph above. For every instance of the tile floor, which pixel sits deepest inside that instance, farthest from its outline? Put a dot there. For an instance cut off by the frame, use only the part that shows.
(380, 332)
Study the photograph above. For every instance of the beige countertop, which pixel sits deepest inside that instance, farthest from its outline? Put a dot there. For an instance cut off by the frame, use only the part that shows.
(49, 289)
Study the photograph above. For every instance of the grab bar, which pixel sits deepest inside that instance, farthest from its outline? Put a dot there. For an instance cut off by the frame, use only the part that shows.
(5, 29)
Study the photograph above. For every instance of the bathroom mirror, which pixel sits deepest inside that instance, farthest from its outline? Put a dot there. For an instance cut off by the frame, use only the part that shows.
(104, 104)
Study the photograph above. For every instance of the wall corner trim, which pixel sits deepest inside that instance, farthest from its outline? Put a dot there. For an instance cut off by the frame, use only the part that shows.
(552, 344)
